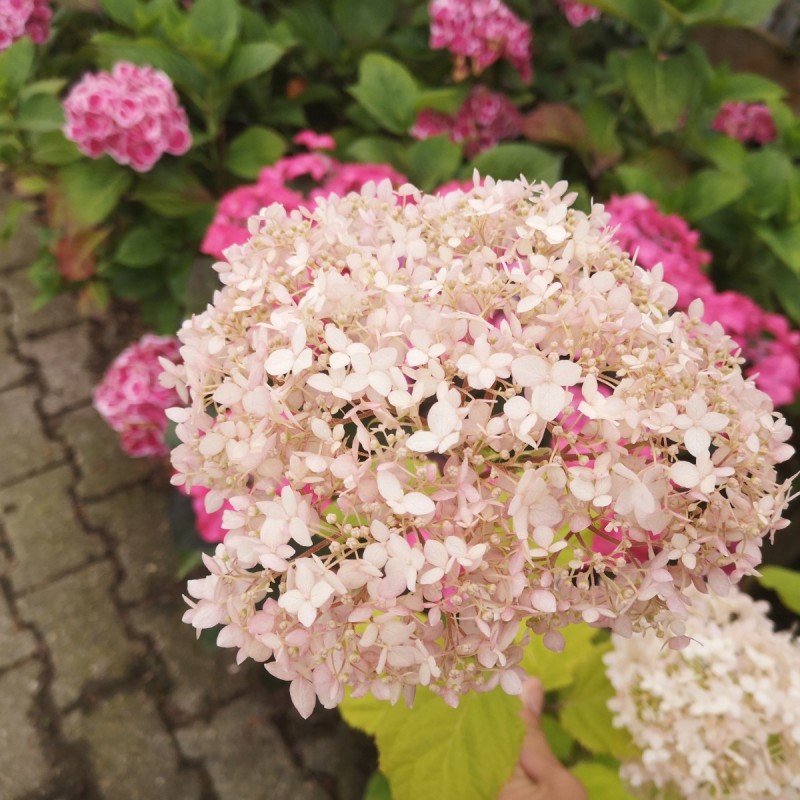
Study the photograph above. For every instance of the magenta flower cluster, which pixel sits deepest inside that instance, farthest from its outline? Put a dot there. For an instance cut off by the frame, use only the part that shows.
(331, 177)
(747, 122)
(132, 401)
(577, 13)
(770, 347)
(131, 113)
(484, 119)
(20, 18)
(480, 32)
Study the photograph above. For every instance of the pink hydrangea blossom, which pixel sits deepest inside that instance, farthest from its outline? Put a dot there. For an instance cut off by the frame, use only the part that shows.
(484, 119)
(747, 122)
(20, 18)
(577, 13)
(229, 225)
(132, 400)
(132, 113)
(653, 237)
(315, 141)
(475, 382)
(480, 32)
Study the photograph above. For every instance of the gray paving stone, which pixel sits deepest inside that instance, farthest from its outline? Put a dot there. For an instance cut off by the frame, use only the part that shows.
(16, 643)
(25, 446)
(58, 313)
(44, 532)
(20, 250)
(136, 520)
(11, 369)
(245, 755)
(82, 630)
(202, 677)
(102, 465)
(63, 359)
(131, 752)
(23, 767)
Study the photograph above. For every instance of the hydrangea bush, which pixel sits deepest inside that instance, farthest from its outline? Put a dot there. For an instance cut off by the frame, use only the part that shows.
(479, 384)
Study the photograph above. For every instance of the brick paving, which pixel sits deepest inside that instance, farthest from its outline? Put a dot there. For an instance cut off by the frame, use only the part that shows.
(104, 693)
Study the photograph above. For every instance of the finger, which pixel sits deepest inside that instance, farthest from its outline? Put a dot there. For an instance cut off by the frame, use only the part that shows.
(536, 758)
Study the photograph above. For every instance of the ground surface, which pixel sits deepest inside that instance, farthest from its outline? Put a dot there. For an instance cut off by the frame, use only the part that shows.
(104, 693)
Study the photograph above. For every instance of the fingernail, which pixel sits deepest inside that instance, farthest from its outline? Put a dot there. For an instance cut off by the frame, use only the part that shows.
(533, 696)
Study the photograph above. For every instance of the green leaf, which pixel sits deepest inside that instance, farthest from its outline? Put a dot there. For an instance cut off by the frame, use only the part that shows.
(135, 284)
(184, 73)
(161, 313)
(173, 191)
(646, 16)
(601, 781)
(142, 246)
(788, 283)
(309, 23)
(662, 88)
(785, 582)
(721, 12)
(433, 162)
(768, 172)
(378, 788)
(249, 61)
(253, 150)
(363, 21)
(585, 714)
(16, 63)
(41, 113)
(708, 191)
(447, 99)
(217, 22)
(54, 149)
(434, 751)
(377, 150)
(123, 12)
(557, 670)
(92, 189)
(509, 161)
(561, 743)
(784, 243)
(744, 87)
(47, 86)
(387, 90)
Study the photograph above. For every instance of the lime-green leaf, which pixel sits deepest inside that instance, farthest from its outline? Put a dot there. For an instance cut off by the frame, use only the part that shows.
(509, 161)
(743, 87)
(433, 162)
(253, 150)
(601, 781)
(250, 60)
(769, 173)
(41, 113)
(93, 188)
(557, 670)
(53, 149)
(16, 63)
(585, 714)
(434, 751)
(387, 90)
(709, 191)
(141, 247)
(447, 99)
(784, 243)
(662, 88)
(47, 86)
(123, 12)
(216, 21)
(786, 582)
(363, 21)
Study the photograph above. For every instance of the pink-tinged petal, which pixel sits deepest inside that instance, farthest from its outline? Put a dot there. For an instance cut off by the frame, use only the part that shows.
(422, 442)
(530, 370)
(320, 594)
(307, 613)
(697, 441)
(389, 486)
(684, 474)
(280, 362)
(511, 682)
(291, 600)
(565, 373)
(304, 698)
(419, 504)
(299, 532)
(431, 576)
(549, 400)
(714, 422)
(543, 600)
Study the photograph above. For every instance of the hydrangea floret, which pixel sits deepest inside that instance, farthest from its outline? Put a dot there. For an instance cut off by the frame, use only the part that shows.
(718, 719)
(480, 32)
(20, 18)
(132, 113)
(132, 400)
(423, 408)
(577, 13)
(747, 122)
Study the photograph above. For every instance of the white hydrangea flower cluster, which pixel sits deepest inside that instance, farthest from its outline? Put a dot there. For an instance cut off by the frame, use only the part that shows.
(424, 409)
(718, 719)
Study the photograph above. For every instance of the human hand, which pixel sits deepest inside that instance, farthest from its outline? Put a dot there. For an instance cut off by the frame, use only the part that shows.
(539, 775)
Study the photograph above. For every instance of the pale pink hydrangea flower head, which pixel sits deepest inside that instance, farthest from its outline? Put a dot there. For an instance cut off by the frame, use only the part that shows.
(274, 185)
(132, 400)
(484, 119)
(20, 18)
(132, 113)
(718, 719)
(747, 122)
(480, 32)
(577, 13)
(423, 408)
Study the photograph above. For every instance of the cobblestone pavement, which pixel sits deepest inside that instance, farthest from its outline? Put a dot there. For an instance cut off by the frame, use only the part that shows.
(104, 693)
